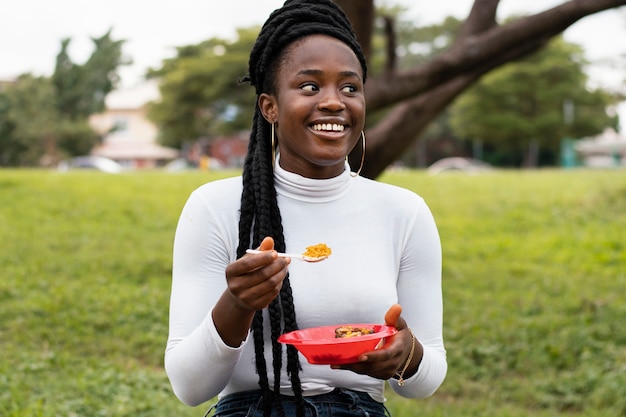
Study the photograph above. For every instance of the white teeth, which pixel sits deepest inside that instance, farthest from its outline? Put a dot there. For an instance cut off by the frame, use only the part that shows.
(329, 126)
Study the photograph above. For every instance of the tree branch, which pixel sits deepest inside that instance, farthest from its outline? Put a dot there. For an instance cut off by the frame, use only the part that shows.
(474, 50)
(361, 14)
(390, 35)
(482, 17)
(408, 119)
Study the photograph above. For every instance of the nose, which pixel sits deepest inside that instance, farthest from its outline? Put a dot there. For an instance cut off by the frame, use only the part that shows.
(331, 100)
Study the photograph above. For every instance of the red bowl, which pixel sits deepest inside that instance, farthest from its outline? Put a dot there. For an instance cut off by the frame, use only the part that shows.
(320, 346)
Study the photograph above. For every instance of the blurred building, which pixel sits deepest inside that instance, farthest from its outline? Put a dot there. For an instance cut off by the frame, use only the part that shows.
(603, 151)
(128, 136)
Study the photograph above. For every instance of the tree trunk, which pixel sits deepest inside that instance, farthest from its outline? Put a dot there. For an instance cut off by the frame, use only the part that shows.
(417, 96)
(361, 14)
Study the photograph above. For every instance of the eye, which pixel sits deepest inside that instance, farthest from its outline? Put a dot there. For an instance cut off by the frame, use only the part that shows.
(349, 89)
(309, 87)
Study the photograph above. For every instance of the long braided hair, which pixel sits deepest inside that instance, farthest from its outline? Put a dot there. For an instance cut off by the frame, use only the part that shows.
(260, 215)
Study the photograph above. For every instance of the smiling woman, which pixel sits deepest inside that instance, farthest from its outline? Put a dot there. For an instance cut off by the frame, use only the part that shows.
(296, 188)
(318, 106)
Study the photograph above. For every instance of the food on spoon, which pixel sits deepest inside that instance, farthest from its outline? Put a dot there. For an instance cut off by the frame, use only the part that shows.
(317, 251)
(349, 331)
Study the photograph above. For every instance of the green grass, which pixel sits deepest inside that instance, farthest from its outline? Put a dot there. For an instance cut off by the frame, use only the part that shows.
(534, 291)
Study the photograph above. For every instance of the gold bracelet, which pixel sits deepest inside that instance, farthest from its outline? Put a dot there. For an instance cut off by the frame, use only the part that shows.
(400, 374)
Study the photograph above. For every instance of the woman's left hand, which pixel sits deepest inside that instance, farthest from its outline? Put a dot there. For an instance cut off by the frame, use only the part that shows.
(386, 361)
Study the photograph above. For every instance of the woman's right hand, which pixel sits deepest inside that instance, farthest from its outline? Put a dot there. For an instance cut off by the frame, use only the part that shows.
(255, 280)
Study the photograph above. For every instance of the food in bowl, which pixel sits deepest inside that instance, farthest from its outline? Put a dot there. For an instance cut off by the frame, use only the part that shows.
(349, 331)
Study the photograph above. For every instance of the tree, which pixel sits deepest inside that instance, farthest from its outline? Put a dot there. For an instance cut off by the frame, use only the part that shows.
(412, 46)
(200, 93)
(7, 127)
(46, 118)
(404, 96)
(81, 89)
(29, 121)
(416, 96)
(521, 111)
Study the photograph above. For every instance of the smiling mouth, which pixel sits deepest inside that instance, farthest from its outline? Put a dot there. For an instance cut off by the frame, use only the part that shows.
(328, 127)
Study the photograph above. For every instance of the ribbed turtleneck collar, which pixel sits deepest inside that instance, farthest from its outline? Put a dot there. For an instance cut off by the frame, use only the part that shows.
(311, 190)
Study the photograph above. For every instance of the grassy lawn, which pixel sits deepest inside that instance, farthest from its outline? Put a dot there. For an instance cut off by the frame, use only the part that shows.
(534, 291)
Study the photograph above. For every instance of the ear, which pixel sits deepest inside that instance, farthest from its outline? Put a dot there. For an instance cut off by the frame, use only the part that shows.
(268, 107)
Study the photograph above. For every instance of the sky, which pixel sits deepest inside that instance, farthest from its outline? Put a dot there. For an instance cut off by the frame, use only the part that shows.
(31, 30)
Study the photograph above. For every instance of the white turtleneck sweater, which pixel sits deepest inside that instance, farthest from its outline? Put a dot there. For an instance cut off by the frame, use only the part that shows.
(385, 250)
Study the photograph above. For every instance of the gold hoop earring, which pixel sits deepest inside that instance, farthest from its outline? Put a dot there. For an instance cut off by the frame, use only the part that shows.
(356, 174)
(273, 145)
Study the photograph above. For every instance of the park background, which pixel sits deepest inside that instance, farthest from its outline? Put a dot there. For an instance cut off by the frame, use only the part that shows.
(533, 282)
(126, 42)
(533, 259)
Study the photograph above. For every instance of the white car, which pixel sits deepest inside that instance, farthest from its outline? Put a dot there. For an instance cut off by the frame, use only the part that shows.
(459, 164)
(98, 163)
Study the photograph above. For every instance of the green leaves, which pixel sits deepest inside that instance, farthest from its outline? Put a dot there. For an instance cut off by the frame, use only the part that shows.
(201, 96)
(43, 119)
(524, 102)
(81, 89)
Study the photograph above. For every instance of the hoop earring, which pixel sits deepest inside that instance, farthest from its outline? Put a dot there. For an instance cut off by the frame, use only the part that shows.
(273, 134)
(356, 174)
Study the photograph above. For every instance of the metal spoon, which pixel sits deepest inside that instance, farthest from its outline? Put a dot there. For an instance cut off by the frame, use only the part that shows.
(292, 255)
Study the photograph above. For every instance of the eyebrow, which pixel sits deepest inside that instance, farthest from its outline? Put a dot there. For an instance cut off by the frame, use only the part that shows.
(319, 72)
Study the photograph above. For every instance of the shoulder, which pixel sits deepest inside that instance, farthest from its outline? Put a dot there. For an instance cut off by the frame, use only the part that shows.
(222, 185)
(219, 193)
(380, 191)
(393, 202)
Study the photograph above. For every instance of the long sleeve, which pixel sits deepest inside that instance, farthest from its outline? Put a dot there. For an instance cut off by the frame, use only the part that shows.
(200, 366)
(198, 363)
(420, 294)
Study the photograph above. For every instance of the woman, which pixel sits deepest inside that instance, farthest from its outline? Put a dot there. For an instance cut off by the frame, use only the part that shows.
(297, 190)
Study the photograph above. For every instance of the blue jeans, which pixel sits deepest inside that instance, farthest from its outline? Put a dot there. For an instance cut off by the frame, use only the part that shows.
(338, 403)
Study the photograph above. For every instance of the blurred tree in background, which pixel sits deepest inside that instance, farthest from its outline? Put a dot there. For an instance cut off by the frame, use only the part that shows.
(200, 93)
(415, 96)
(43, 119)
(520, 112)
(29, 122)
(81, 89)
(416, 73)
